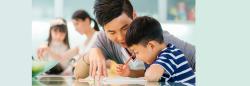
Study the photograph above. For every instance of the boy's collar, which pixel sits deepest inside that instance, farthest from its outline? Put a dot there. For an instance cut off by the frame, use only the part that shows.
(169, 45)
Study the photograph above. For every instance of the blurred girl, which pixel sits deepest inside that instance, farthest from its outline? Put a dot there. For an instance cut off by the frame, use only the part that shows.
(57, 42)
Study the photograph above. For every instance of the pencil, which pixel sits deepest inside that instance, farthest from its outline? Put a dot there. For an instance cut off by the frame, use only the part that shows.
(128, 60)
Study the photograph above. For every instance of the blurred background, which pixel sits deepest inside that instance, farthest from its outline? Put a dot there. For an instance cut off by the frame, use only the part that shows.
(176, 16)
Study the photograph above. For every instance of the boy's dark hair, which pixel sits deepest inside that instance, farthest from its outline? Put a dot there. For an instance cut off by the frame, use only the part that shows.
(106, 10)
(142, 30)
(82, 14)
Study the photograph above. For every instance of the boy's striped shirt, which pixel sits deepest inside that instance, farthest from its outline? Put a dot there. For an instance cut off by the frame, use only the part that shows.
(175, 65)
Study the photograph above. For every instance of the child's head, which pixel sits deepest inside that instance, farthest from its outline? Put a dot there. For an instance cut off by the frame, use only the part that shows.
(58, 31)
(83, 23)
(145, 38)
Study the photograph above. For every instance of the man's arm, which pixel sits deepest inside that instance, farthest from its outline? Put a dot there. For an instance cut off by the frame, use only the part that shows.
(81, 68)
(96, 57)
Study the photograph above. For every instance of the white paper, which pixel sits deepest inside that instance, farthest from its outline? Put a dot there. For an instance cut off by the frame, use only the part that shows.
(118, 80)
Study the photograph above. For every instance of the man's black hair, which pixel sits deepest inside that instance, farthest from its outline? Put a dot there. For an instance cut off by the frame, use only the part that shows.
(106, 10)
(144, 29)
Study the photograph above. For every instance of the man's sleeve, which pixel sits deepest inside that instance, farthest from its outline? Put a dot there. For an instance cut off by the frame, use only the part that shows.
(109, 49)
(102, 43)
(186, 48)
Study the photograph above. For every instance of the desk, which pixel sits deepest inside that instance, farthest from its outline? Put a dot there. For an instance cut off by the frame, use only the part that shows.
(53, 80)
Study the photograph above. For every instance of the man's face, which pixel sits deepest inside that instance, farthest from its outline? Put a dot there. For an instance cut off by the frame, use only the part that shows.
(142, 53)
(117, 28)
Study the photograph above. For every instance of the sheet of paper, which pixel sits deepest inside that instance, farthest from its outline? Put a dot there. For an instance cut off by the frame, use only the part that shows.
(118, 80)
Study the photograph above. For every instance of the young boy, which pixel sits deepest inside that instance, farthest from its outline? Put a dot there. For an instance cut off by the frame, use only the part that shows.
(163, 62)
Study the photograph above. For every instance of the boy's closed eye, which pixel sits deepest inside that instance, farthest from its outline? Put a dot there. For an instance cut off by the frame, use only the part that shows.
(111, 32)
(125, 28)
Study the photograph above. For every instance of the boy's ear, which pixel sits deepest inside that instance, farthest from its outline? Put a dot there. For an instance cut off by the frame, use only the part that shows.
(151, 44)
(134, 14)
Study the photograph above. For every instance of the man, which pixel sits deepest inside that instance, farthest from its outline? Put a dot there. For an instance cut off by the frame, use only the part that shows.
(115, 17)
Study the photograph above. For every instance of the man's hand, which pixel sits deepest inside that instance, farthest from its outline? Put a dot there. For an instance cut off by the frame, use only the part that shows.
(123, 70)
(97, 64)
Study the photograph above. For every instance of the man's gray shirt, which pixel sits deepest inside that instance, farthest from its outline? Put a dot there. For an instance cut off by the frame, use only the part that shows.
(112, 50)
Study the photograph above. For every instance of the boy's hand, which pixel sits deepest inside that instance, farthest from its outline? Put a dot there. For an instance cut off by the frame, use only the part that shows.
(123, 70)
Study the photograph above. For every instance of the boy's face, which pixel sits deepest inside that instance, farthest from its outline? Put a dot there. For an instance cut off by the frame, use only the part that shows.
(117, 28)
(145, 53)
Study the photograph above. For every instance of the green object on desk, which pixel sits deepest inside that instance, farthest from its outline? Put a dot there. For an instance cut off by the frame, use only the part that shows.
(39, 67)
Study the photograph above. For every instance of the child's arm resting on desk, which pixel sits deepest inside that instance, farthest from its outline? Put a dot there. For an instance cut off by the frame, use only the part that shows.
(124, 70)
(154, 72)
